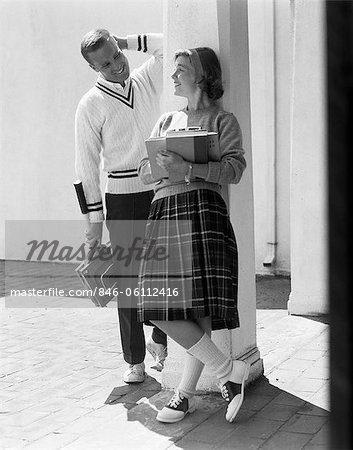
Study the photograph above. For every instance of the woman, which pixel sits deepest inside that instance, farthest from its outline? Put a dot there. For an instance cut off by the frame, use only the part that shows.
(201, 268)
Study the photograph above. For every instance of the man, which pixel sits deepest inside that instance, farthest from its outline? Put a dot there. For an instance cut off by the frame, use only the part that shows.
(112, 121)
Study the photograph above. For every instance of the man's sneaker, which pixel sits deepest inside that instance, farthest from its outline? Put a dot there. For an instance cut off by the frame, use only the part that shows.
(135, 373)
(176, 409)
(233, 390)
(158, 351)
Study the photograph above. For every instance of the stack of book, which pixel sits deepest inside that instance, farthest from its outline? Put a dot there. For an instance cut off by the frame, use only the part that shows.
(193, 144)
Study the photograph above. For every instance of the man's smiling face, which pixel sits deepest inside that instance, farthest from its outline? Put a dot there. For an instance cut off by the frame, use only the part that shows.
(110, 61)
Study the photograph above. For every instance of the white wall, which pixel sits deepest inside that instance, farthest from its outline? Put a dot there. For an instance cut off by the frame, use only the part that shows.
(42, 79)
(270, 74)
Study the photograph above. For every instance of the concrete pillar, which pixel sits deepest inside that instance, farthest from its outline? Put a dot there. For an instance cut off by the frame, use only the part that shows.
(221, 25)
(308, 162)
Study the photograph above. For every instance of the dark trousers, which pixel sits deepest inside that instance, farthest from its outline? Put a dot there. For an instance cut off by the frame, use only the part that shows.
(122, 211)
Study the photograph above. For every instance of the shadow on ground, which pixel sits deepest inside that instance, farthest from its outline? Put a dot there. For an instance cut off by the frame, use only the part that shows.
(269, 417)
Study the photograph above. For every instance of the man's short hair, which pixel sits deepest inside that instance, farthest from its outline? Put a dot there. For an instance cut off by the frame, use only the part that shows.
(92, 41)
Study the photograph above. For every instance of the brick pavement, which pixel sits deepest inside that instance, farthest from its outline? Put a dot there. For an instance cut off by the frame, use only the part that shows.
(60, 382)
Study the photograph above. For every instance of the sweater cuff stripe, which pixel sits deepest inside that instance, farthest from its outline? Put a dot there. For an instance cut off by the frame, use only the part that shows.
(100, 208)
(144, 43)
(97, 206)
(95, 209)
(139, 42)
(94, 204)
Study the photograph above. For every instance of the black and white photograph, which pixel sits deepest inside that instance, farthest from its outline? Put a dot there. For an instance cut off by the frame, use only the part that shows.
(175, 232)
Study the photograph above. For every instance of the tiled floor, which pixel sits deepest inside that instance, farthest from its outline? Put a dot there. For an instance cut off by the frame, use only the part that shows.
(61, 369)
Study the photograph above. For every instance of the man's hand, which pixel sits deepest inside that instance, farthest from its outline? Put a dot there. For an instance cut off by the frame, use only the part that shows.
(94, 234)
(121, 41)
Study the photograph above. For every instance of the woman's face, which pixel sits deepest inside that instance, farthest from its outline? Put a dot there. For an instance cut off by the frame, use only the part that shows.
(184, 77)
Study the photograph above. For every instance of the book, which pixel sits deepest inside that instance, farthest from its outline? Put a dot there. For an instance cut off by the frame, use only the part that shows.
(194, 145)
(81, 196)
(154, 146)
(98, 275)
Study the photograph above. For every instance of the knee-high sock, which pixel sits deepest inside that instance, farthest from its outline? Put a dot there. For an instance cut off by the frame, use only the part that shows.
(191, 374)
(207, 352)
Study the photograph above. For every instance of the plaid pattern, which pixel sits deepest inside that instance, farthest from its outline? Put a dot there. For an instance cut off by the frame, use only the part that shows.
(202, 264)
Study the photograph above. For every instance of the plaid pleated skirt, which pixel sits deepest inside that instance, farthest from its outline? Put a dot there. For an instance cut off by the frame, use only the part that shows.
(190, 264)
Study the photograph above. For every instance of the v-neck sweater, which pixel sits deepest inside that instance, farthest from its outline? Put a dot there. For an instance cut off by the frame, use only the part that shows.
(112, 124)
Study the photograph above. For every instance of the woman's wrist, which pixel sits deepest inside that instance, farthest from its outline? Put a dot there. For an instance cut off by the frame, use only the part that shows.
(188, 173)
(200, 170)
(185, 167)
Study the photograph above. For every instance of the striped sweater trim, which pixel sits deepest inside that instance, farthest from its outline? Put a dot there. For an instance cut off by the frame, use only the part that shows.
(139, 46)
(129, 173)
(98, 206)
(128, 101)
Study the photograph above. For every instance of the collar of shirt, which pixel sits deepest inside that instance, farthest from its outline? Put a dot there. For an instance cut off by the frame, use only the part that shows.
(117, 86)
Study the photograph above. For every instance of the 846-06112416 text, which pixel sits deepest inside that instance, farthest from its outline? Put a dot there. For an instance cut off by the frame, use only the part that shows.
(128, 292)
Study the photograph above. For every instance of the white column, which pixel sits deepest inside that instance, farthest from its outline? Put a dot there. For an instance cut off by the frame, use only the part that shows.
(220, 24)
(234, 47)
(308, 162)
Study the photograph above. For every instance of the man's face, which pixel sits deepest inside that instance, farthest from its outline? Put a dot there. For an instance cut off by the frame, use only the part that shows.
(110, 61)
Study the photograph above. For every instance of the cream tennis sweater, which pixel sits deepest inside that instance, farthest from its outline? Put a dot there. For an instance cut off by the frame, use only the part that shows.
(111, 126)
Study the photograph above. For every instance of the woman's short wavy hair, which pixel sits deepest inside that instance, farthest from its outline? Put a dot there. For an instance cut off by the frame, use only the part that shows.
(211, 77)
